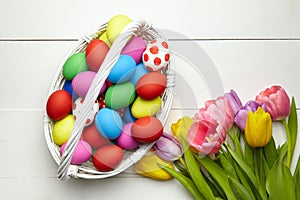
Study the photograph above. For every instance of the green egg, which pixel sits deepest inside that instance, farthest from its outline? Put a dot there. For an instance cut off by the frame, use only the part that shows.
(74, 65)
(120, 95)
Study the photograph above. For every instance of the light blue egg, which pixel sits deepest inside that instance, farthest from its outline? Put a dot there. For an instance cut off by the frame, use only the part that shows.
(140, 71)
(128, 117)
(122, 70)
(109, 123)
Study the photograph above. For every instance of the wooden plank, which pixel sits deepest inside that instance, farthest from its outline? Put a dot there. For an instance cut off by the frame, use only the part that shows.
(246, 66)
(55, 19)
(113, 188)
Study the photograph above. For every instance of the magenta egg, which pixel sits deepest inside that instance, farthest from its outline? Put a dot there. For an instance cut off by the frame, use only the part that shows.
(125, 140)
(82, 153)
(135, 48)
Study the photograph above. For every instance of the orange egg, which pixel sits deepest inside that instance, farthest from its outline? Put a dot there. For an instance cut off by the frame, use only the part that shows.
(151, 85)
(147, 129)
(92, 136)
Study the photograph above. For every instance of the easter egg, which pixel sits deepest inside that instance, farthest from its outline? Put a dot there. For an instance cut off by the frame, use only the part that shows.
(109, 123)
(82, 152)
(157, 55)
(77, 107)
(122, 70)
(142, 108)
(126, 141)
(104, 38)
(74, 65)
(62, 130)
(115, 26)
(82, 82)
(108, 157)
(92, 136)
(120, 95)
(135, 48)
(95, 53)
(128, 117)
(140, 71)
(68, 87)
(147, 129)
(59, 105)
(151, 85)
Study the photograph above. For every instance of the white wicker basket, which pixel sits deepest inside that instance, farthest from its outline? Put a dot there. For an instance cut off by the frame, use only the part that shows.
(87, 170)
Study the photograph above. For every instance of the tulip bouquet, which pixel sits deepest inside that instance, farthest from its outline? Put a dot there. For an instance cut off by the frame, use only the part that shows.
(229, 151)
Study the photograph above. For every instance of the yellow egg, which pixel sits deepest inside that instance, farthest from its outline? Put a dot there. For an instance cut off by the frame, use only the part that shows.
(104, 38)
(142, 108)
(115, 26)
(62, 130)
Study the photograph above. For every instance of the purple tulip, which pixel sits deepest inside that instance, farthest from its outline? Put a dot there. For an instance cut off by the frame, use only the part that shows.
(168, 148)
(234, 101)
(241, 116)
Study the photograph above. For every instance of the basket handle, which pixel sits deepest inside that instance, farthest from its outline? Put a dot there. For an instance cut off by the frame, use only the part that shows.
(111, 58)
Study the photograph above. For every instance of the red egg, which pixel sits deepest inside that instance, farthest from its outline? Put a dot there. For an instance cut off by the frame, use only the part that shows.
(147, 129)
(108, 157)
(151, 85)
(59, 105)
(93, 137)
(95, 53)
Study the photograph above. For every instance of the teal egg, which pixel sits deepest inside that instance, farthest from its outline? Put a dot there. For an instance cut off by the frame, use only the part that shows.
(120, 95)
(122, 70)
(109, 123)
(140, 71)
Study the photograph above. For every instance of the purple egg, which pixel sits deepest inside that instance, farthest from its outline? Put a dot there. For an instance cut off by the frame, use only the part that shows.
(82, 153)
(82, 82)
(135, 48)
(125, 140)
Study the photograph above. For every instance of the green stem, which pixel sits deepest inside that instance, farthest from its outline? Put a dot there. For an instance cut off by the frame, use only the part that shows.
(290, 151)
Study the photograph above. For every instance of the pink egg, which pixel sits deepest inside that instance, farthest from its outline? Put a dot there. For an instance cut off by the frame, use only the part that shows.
(82, 153)
(82, 82)
(126, 141)
(135, 48)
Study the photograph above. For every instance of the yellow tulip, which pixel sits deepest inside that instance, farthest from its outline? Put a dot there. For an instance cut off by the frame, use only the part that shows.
(148, 167)
(181, 127)
(258, 130)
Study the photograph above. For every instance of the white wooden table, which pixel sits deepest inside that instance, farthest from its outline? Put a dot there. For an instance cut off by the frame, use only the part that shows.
(252, 45)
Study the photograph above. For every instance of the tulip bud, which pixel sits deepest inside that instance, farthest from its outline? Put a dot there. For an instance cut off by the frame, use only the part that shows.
(258, 130)
(234, 101)
(277, 102)
(148, 167)
(181, 127)
(168, 148)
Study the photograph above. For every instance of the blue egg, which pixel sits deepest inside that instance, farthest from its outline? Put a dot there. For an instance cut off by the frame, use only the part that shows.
(109, 123)
(128, 117)
(122, 70)
(140, 71)
(68, 87)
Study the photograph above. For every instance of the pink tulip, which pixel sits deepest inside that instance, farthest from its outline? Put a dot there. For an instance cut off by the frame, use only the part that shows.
(204, 137)
(276, 101)
(219, 110)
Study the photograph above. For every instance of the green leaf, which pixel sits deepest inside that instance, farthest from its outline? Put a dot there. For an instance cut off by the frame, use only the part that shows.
(244, 179)
(248, 154)
(249, 173)
(237, 145)
(218, 174)
(259, 168)
(239, 190)
(270, 152)
(185, 181)
(193, 169)
(297, 178)
(215, 187)
(280, 184)
(227, 166)
(293, 122)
